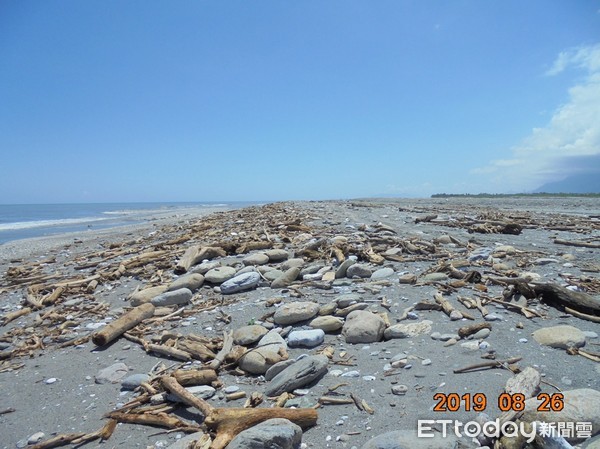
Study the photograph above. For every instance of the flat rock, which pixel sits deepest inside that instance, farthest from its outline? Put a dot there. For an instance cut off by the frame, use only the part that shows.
(277, 255)
(240, 283)
(272, 275)
(347, 300)
(297, 375)
(204, 267)
(289, 276)
(143, 296)
(247, 335)
(218, 275)
(134, 381)
(306, 338)
(295, 312)
(191, 281)
(407, 439)
(277, 368)
(178, 297)
(112, 374)
(255, 259)
(408, 330)
(276, 433)
(382, 273)
(327, 323)
(360, 270)
(270, 350)
(363, 327)
(562, 336)
(527, 382)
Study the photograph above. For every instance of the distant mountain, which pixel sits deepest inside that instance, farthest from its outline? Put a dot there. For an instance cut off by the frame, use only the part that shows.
(584, 183)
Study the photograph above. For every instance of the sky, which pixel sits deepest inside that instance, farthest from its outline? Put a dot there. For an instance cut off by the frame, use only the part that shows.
(113, 101)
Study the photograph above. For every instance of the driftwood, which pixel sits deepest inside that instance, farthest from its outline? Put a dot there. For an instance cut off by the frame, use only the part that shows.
(449, 308)
(196, 254)
(123, 324)
(195, 377)
(492, 364)
(228, 422)
(465, 331)
(575, 243)
(561, 297)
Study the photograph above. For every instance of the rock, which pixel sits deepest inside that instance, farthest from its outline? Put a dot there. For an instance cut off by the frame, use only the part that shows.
(306, 338)
(408, 330)
(36, 438)
(492, 317)
(191, 281)
(271, 275)
(295, 312)
(143, 296)
(240, 283)
(347, 300)
(276, 433)
(112, 374)
(481, 333)
(270, 350)
(204, 267)
(219, 275)
(311, 269)
(286, 278)
(277, 368)
(277, 255)
(186, 441)
(480, 254)
(407, 279)
(359, 270)
(292, 263)
(255, 259)
(328, 309)
(327, 323)
(407, 439)
(363, 327)
(544, 261)
(562, 336)
(434, 277)
(399, 390)
(444, 337)
(247, 335)
(297, 375)
(382, 273)
(134, 381)
(581, 405)
(176, 297)
(343, 268)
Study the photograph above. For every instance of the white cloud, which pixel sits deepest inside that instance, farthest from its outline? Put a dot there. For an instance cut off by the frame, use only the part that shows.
(573, 131)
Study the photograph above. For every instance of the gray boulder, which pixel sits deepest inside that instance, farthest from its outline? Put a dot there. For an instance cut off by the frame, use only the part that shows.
(362, 326)
(277, 433)
(301, 373)
(240, 283)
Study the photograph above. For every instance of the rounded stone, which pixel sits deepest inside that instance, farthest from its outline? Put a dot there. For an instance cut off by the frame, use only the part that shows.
(219, 275)
(255, 259)
(295, 312)
(247, 335)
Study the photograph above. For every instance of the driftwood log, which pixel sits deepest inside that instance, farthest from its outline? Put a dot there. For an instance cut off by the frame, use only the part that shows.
(561, 298)
(228, 422)
(118, 327)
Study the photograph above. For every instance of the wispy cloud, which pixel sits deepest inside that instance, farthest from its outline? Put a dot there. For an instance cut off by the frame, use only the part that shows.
(573, 131)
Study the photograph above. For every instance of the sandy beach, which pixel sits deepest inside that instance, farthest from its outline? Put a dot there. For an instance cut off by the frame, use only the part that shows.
(412, 258)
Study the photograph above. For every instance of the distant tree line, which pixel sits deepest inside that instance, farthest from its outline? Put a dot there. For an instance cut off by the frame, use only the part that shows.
(515, 195)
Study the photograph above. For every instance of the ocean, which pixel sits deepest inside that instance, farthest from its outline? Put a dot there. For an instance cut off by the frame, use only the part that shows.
(20, 221)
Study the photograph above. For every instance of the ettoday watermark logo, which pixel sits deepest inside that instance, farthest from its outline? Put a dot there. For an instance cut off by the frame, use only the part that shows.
(496, 429)
(472, 429)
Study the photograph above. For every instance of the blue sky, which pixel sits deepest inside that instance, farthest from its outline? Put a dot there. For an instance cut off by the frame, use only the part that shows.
(207, 101)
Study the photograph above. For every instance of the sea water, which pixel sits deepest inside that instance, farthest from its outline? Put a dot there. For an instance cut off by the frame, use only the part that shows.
(19, 221)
